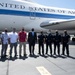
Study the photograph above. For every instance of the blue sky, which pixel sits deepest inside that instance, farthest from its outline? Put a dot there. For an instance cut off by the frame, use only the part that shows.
(57, 3)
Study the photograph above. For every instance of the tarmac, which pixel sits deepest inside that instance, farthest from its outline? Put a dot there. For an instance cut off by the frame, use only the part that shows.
(38, 65)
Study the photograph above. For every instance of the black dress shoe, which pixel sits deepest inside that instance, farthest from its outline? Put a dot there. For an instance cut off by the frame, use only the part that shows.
(25, 55)
(68, 55)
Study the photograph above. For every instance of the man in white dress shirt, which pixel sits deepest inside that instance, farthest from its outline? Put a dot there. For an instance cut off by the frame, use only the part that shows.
(13, 38)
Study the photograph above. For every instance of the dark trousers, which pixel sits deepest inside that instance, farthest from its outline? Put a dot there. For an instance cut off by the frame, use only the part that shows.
(31, 48)
(4, 49)
(58, 47)
(41, 46)
(50, 46)
(65, 46)
(15, 47)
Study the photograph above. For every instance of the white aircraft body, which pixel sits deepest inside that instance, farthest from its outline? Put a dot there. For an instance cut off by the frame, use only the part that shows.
(28, 14)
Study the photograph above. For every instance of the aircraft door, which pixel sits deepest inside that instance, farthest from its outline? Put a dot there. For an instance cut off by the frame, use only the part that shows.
(32, 15)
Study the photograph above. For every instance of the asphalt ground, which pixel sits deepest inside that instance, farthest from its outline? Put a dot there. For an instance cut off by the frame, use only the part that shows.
(38, 65)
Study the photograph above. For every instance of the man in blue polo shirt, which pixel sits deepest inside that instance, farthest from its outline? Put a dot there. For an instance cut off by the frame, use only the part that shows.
(4, 39)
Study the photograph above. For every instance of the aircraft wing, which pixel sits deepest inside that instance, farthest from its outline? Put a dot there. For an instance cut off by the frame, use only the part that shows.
(59, 25)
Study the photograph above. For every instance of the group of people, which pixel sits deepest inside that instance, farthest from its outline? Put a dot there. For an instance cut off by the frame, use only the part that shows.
(55, 39)
(12, 38)
(32, 38)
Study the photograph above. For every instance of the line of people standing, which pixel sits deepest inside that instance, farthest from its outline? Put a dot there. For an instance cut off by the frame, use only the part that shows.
(13, 38)
(55, 39)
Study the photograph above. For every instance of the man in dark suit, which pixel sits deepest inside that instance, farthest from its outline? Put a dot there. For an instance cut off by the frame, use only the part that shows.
(32, 39)
(41, 39)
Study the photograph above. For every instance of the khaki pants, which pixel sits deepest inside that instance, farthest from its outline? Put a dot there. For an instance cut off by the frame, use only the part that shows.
(24, 47)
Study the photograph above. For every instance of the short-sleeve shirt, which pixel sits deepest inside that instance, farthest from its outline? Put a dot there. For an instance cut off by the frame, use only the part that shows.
(66, 38)
(22, 36)
(13, 37)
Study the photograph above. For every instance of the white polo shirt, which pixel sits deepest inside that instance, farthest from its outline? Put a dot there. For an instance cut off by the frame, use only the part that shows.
(13, 37)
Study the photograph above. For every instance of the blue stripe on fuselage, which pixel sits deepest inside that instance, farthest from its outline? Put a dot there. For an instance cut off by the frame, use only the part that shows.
(34, 14)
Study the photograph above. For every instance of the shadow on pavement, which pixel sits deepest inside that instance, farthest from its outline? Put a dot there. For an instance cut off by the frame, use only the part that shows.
(35, 56)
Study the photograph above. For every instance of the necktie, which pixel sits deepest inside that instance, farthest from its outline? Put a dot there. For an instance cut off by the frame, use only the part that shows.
(33, 33)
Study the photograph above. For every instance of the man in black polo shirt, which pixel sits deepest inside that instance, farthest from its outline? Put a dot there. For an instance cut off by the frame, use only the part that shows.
(65, 40)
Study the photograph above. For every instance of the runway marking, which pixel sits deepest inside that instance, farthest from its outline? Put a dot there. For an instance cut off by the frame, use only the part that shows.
(43, 71)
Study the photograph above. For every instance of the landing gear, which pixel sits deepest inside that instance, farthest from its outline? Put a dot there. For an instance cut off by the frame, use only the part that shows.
(73, 39)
